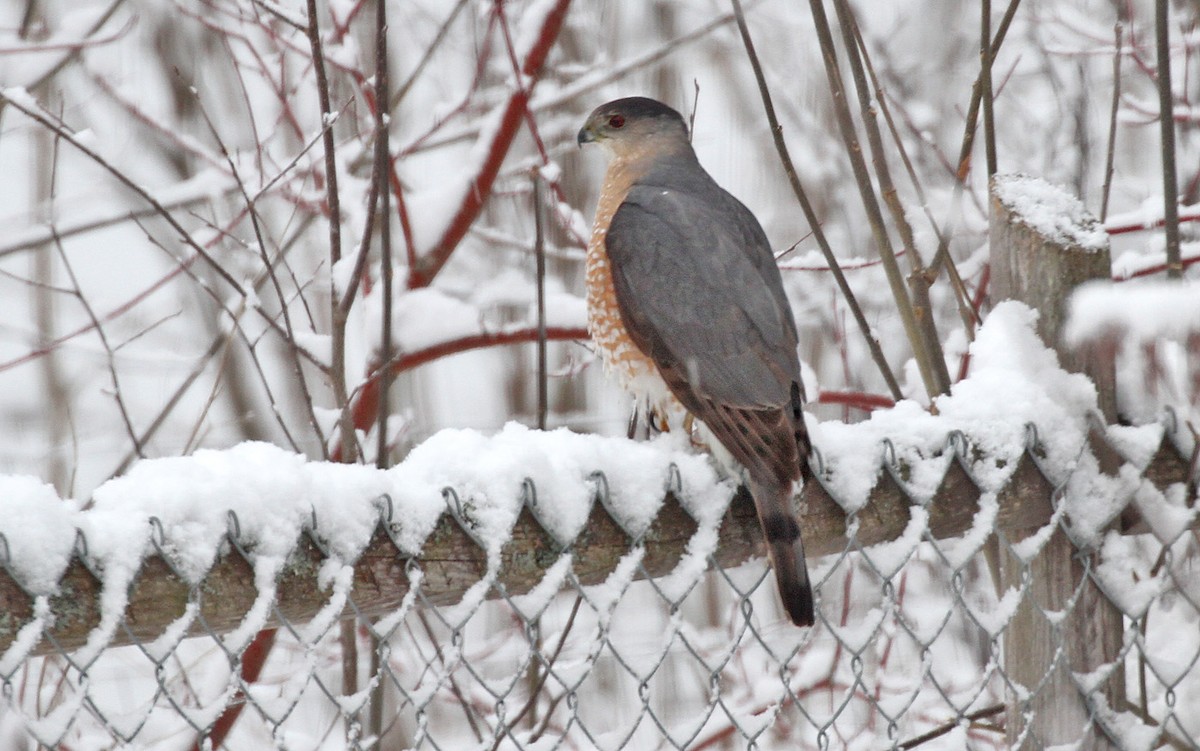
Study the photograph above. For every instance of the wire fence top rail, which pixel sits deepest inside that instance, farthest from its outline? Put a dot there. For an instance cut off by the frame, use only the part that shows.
(453, 559)
(429, 615)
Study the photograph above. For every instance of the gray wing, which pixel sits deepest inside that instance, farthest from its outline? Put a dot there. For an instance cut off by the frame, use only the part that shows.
(699, 292)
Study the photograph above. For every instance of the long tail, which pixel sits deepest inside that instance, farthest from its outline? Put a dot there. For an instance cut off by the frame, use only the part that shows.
(786, 549)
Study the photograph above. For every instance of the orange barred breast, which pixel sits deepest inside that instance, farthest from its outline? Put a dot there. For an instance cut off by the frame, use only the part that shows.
(634, 370)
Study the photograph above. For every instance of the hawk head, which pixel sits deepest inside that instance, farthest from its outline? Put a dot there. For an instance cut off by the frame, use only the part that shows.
(625, 125)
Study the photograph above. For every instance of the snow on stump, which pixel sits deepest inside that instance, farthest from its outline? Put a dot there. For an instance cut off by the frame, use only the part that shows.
(1044, 244)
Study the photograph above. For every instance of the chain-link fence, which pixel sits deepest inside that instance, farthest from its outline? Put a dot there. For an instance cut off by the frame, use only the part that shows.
(608, 641)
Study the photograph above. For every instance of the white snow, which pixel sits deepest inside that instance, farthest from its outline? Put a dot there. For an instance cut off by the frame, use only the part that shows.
(1125, 575)
(1141, 311)
(267, 496)
(1051, 210)
(1136, 443)
(1167, 513)
(887, 558)
(425, 317)
(565, 310)
(960, 550)
(529, 28)
(27, 637)
(1015, 381)
(37, 530)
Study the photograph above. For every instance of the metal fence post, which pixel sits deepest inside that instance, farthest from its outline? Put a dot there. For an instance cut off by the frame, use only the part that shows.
(1040, 268)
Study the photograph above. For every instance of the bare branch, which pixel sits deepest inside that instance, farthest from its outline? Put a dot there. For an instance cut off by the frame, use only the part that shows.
(337, 366)
(381, 172)
(810, 214)
(870, 202)
(514, 110)
(1166, 106)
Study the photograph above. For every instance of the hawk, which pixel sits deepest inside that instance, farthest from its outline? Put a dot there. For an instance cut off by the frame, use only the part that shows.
(687, 309)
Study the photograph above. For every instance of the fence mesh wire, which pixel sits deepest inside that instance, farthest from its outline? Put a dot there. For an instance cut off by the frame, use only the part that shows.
(913, 648)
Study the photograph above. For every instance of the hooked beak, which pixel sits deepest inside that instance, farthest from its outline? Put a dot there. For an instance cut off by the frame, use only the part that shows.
(585, 136)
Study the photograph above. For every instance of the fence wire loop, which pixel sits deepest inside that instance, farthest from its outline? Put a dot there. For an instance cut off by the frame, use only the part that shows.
(158, 539)
(600, 481)
(81, 545)
(815, 454)
(459, 513)
(1032, 442)
(1170, 421)
(529, 495)
(233, 528)
(674, 480)
(957, 442)
(889, 453)
(81, 554)
(387, 521)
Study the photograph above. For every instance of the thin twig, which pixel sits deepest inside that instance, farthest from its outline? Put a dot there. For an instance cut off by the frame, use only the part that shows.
(513, 111)
(71, 53)
(1166, 110)
(862, 179)
(348, 447)
(963, 166)
(382, 163)
(269, 272)
(810, 213)
(539, 245)
(695, 104)
(941, 730)
(43, 119)
(570, 93)
(138, 445)
(1111, 152)
(927, 345)
(364, 247)
(985, 77)
(562, 640)
(454, 687)
(966, 312)
(219, 344)
(443, 30)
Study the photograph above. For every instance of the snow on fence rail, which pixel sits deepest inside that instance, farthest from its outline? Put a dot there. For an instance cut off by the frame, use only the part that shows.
(453, 558)
(296, 564)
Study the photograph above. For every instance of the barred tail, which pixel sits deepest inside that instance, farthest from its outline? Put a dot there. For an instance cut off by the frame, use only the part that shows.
(786, 549)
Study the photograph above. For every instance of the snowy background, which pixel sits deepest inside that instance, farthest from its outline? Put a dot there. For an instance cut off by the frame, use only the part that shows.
(179, 336)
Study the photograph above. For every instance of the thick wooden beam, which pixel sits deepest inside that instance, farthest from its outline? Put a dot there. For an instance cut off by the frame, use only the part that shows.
(1044, 245)
(451, 561)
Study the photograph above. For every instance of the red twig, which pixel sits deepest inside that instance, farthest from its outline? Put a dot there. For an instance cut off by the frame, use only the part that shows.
(480, 185)
(1157, 269)
(964, 364)
(253, 660)
(366, 405)
(858, 399)
(1125, 228)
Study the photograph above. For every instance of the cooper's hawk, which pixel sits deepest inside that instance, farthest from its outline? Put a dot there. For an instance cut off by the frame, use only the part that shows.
(686, 306)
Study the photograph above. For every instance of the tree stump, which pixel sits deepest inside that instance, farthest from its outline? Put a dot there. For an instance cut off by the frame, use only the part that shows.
(1043, 245)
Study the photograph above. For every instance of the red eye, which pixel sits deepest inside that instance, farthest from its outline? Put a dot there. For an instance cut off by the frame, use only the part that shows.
(616, 121)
